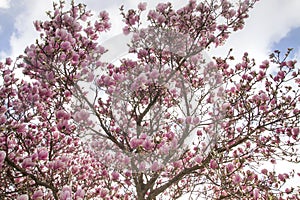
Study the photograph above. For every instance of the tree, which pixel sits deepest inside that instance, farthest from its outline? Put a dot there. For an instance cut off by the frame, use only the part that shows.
(165, 123)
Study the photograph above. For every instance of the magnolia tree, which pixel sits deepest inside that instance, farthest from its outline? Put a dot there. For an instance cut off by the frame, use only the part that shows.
(165, 122)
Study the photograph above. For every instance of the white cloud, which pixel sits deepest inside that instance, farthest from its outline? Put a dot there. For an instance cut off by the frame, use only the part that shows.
(25, 33)
(269, 21)
(5, 4)
(34, 10)
(3, 55)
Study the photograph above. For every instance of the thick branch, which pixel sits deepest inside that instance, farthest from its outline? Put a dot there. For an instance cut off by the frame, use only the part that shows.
(36, 180)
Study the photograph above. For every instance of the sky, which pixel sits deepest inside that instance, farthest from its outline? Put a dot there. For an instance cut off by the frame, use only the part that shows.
(273, 24)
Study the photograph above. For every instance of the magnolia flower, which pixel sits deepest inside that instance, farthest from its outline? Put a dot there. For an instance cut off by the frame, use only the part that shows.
(2, 156)
(42, 154)
(103, 192)
(255, 193)
(135, 142)
(66, 45)
(23, 197)
(155, 166)
(115, 176)
(27, 162)
(37, 195)
(196, 120)
(188, 120)
(79, 193)
(198, 159)
(81, 115)
(225, 106)
(230, 167)
(142, 6)
(66, 193)
(213, 164)
(236, 178)
(126, 30)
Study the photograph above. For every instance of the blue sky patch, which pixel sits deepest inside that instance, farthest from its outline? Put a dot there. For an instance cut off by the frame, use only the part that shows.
(7, 22)
(6, 29)
(291, 40)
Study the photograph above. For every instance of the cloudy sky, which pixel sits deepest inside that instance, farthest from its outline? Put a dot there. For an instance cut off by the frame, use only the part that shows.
(273, 24)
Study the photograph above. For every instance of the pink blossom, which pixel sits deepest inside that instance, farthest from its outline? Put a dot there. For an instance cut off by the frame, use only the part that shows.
(62, 125)
(67, 93)
(198, 159)
(3, 109)
(177, 164)
(170, 135)
(296, 131)
(281, 74)
(288, 190)
(164, 149)
(142, 53)
(74, 170)
(61, 114)
(2, 156)
(23, 197)
(126, 30)
(237, 179)
(213, 164)
(128, 173)
(66, 193)
(37, 25)
(225, 106)
(101, 49)
(232, 12)
(147, 145)
(37, 195)
(196, 120)
(7, 78)
(118, 77)
(75, 58)
(57, 165)
(142, 6)
(79, 193)
(264, 65)
(155, 166)
(230, 167)
(115, 176)
(103, 192)
(8, 61)
(81, 115)
(281, 177)
(27, 162)
(61, 33)
(161, 7)
(43, 154)
(290, 64)
(135, 142)
(66, 45)
(255, 193)
(142, 166)
(104, 15)
(161, 19)
(152, 14)
(199, 133)
(188, 120)
(34, 157)
(83, 17)
(142, 78)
